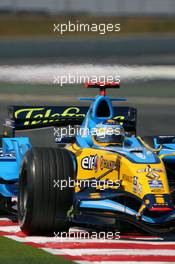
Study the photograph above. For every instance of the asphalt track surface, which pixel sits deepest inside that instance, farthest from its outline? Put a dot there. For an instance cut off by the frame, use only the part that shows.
(156, 45)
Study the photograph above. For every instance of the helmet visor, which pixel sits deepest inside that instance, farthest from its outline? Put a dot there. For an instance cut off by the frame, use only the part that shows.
(116, 139)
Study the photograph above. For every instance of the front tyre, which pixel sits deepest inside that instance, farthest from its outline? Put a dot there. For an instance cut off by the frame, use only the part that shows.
(42, 205)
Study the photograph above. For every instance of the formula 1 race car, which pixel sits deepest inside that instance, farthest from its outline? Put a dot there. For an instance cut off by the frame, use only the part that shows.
(104, 176)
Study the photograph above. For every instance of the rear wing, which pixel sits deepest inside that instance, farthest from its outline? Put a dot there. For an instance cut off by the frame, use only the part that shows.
(31, 117)
(103, 86)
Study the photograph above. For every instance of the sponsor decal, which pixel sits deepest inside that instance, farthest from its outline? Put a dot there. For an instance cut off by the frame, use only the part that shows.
(160, 200)
(149, 170)
(135, 180)
(165, 136)
(95, 195)
(120, 119)
(127, 178)
(49, 114)
(153, 176)
(139, 188)
(110, 164)
(28, 116)
(156, 190)
(152, 172)
(90, 162)
(155, 184)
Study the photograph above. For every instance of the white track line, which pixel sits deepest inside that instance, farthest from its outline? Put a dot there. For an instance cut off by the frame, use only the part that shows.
(13, 218)
(110, 252)
(119, 262)
(10, 229)
(42, 240)
(46, 73)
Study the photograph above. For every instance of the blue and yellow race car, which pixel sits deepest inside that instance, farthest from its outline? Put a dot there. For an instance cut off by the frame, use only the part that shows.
(104, 176)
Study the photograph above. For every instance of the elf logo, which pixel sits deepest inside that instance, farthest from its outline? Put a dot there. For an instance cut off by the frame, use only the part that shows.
(90, 162)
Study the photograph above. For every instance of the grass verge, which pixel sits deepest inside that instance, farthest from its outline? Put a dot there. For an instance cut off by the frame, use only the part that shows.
(12, 252)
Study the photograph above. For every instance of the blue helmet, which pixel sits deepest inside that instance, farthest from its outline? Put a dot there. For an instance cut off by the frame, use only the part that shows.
(108, 132)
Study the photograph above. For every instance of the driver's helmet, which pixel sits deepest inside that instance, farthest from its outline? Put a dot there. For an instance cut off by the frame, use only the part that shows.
(109, 132)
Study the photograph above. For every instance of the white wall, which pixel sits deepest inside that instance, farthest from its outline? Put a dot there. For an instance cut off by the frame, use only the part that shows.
(97, 7)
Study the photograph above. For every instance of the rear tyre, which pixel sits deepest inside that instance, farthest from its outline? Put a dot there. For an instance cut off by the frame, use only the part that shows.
(42, 205)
